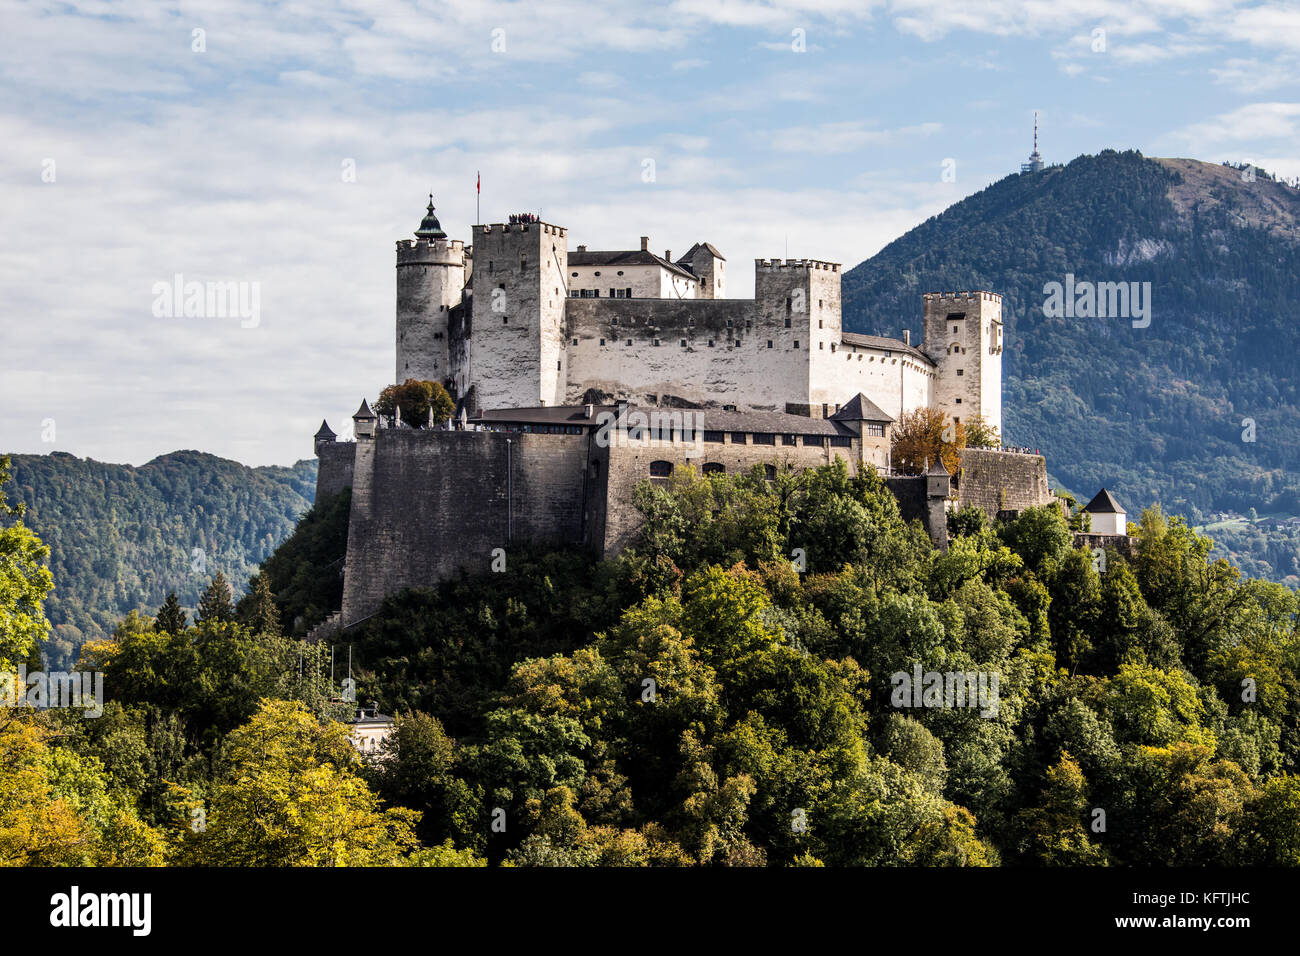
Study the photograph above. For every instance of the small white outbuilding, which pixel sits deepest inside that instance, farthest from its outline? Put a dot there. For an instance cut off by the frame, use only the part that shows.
(1108, 515)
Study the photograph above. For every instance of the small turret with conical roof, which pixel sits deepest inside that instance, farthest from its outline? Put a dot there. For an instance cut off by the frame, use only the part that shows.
(324, 436)
(430, 228)
(363, 422)
(938, 482)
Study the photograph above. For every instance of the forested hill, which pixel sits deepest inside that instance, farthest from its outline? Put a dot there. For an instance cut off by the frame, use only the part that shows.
(121, 537)
(1156, 413)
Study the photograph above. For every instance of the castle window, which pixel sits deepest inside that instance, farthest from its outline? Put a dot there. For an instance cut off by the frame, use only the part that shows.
(821, 346)
(819, 324)
(660, 471)
(710, 343)
(789, 440)
(813, 441)
(737, 343)
(613, 321)
(738, 438)
(954, 329)
(505, 320)
(819, 303)
(875, 430)
(627, 293)
(596, 273)
(764, 438)
(957, 421)
(796, 343)
(714, 437)
(787, 304)
(690, 322)
(602, 342)
(683, 343)
(575, 275)
(841, 441)
(832, 346)
(523, 264)
(769, 472)
(769, 343)
(557, 366)
(575, 341)
(629, 341)
(656, 343)
(728, 323)
(748, 324)
(959, 401)
(714, 468)
(489, 267)
(961, 371)
(787, 323)
(620, 271)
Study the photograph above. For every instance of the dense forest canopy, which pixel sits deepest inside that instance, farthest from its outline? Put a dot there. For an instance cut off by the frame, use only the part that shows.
(726, 693)
(121, 538)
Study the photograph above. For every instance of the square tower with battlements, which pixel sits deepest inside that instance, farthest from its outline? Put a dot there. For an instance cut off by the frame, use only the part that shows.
(963, 338)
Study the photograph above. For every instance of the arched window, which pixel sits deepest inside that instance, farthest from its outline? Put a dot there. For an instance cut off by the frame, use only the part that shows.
(660, 471)
(769, 472)
(714, 468)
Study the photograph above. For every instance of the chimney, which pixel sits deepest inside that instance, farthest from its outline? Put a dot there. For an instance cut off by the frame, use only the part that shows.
(645, 243)
(668, 254)
(588, 410)
(907, 336)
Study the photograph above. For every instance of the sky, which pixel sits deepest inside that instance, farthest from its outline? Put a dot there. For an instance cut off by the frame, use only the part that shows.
(285, 147)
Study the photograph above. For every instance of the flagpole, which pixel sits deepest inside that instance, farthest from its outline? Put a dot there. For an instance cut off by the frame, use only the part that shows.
(478, 195)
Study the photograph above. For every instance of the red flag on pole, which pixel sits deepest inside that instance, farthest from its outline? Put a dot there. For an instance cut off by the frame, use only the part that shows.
(478, 185)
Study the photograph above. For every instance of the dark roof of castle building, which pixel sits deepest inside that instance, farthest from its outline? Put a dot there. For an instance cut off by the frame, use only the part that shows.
(364, 411)
(325, 430)
(710, 247)
(939, 468)
(1104, 503)
(859, 408)
(882, 342)
(430, 228)
(710, 419)
(632, 257)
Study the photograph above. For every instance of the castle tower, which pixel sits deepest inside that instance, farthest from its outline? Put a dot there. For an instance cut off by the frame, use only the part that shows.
(324, 436)
(430, 278)
(707, 262)
(517, 351)
(797, 302)
(963, 337)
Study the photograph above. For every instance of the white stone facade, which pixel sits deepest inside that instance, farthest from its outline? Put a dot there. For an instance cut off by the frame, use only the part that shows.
(525, 328)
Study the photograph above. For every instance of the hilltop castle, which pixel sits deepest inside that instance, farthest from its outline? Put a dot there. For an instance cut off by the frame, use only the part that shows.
(578, 374)
(518, 320)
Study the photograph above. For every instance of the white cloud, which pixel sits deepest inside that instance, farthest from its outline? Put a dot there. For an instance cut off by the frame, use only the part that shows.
(844, 137)
(1256, 123)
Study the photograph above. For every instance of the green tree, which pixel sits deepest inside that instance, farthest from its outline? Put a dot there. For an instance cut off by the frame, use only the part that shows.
(288, 793)
(259, 610)
(25, 580)
(420, 402)
(216, 605)
(171, 617)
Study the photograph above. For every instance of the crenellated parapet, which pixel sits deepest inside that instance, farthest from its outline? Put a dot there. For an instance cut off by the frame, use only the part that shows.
(771, 265)
(438, 252)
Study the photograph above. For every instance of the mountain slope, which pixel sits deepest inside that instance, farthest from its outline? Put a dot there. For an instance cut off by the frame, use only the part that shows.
(121, 537)
(1156, 413)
